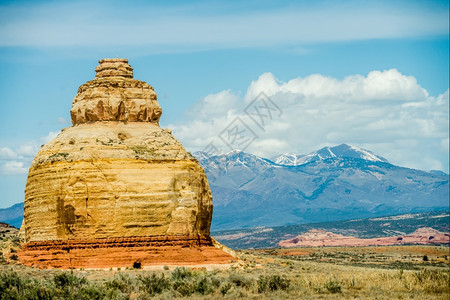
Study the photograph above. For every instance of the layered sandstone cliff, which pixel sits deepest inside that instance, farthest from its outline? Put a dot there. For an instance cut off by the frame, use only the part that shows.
(114, 174)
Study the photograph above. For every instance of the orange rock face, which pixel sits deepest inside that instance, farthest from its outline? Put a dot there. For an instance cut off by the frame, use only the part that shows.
(115, 187)
(124, 252)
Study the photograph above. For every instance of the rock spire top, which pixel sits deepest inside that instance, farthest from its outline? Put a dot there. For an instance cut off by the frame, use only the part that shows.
(115, 96)
(114, 67)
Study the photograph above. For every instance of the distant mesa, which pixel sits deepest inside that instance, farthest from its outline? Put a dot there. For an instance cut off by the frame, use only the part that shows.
(115, 188)
(318, 237)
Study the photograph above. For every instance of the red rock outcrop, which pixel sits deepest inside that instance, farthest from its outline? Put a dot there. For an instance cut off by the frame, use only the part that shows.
(317, 237)
(124, 252)
(115, 187)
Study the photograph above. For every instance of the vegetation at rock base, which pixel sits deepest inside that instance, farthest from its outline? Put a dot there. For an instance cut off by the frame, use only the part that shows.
(302, 273)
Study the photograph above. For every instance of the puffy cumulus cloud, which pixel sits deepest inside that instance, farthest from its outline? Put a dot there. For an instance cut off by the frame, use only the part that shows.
(214, 106)
(28, 150)
(377, 85)
(13, 168)
(385, 111)
(7, 153)
(16, 160)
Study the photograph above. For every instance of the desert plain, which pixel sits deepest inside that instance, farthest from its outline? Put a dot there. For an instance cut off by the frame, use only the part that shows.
(371, 272)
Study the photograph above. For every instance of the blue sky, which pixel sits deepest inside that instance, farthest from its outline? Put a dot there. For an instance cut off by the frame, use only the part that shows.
(374, 74)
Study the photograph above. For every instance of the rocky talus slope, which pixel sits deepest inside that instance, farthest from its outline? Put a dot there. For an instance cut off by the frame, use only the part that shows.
(116, 181)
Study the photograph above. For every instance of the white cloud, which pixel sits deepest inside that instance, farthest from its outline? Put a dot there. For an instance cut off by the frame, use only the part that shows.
(85, 23)
(50, 136)
(7, 153)
(385, 111)
(16, 160)
(13, 168)
(28, 150)
(378, 85)
(214, 105)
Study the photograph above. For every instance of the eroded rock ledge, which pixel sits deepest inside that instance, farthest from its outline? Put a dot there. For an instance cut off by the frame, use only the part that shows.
(136, 241)
(123, 252)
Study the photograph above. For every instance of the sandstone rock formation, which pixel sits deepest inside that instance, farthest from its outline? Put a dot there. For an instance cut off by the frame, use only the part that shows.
(115, 96)
(318, 237)
(115, 180)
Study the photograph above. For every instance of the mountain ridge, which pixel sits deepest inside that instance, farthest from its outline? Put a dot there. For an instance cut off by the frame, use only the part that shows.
(342, 150)
(12, 215)
(334, 183)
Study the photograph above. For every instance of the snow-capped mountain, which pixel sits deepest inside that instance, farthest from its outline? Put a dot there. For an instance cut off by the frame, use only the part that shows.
(333, 183)
(342, 150)
(288, 159)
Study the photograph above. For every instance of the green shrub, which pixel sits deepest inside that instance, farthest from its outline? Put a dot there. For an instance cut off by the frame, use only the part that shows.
(431, 277)
(121, 283)
(11, 279)
(69, 286)
(87, 292)
(203, 287)
(186, 284)
(185, 288)
(153, 284)
(272, 283)
(38, 290)
(66, 279)
(13, 286)
(333, 286)
(240, 281)
(225, 288)
(181, 273)
(214, 281)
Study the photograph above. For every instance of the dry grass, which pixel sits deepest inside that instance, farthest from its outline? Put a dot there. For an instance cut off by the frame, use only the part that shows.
(307, 273)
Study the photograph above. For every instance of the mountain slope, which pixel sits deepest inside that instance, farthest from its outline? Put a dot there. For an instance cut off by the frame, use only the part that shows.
(12, 215)
(334, 183)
